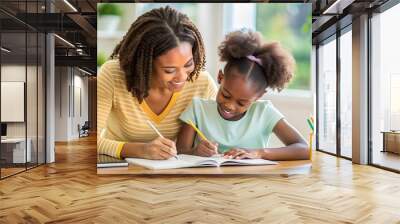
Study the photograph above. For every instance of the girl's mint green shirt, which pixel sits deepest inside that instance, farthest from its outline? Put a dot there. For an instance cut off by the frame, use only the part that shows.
(252, 131)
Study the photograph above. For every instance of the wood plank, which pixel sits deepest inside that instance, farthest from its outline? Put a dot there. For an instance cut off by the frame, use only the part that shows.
(70, 191)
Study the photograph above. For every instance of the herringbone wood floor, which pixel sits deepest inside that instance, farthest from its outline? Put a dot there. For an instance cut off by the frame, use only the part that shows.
(69, 191)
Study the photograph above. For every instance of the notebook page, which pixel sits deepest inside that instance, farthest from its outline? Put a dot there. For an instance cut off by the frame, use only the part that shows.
(183, 161)
(199, 160)
(247, 162)
(171, 163)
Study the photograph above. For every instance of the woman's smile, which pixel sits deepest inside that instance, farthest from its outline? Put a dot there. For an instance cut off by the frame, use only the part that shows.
(177, 85)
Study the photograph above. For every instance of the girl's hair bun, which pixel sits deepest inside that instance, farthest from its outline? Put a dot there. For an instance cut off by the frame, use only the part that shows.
(277, 64)
(239, 44)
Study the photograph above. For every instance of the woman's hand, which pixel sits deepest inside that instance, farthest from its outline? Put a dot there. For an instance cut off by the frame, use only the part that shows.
(160, 149)
(206, 148)
(238, 153)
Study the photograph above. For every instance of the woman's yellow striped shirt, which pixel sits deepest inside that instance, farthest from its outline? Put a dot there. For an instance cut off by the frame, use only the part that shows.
(120, 117)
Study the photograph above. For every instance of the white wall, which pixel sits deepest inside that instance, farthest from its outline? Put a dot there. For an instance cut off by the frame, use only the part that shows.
(210, 28)
(70, 84)
(296, 110)
(61, 103)
(12, 73)
(33, 127)
(80, 109)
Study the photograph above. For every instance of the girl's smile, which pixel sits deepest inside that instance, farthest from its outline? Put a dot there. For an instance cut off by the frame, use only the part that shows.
(235, 95)
(225, 113)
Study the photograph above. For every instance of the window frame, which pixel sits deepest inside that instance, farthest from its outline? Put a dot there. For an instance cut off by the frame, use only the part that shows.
(333, 37)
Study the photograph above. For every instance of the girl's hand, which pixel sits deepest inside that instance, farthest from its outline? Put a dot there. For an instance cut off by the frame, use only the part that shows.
(238, 153)
(160, 149)
(206, 148)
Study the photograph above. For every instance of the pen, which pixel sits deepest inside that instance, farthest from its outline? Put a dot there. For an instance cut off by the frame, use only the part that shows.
(158, 133)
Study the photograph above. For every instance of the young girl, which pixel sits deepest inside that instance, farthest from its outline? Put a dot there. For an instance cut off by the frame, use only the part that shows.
(237, 124)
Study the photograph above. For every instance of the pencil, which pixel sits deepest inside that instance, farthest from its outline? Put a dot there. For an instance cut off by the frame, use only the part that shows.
(310, 142)
(158, 133)
(310, 122)
(197, 130)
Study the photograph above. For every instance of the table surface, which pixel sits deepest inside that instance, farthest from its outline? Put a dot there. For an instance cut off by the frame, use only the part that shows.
(391, 132)
(282, 168)
(13, 140)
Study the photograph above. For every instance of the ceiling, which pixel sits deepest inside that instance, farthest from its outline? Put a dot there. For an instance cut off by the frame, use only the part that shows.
(72, 20)
(330, 15)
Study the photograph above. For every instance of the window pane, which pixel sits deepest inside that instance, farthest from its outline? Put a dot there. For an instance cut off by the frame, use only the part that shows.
(385, 84)
(289, 24)
(13, 86)
(346, 94)
(327, 97)
(190, 9)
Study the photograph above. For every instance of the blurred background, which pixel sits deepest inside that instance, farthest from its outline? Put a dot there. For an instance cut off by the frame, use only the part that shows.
(289, 24)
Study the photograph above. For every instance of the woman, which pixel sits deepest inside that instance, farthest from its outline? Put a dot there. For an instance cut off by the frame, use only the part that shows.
(153, 74)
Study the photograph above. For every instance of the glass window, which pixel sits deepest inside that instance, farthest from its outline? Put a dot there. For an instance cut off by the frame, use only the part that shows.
(385, 84)
(291, 25)
(14, 147)
(22, 91)
(190, 9)
(327, 96)
(346, 94)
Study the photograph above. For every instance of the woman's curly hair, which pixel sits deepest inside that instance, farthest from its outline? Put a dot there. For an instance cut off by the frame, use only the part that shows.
(277, 64)
(151, 35)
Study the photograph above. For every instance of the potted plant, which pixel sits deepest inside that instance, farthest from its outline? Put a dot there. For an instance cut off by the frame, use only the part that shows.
(109, 16)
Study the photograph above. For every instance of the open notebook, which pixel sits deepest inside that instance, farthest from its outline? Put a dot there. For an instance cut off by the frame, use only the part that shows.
(184, 161)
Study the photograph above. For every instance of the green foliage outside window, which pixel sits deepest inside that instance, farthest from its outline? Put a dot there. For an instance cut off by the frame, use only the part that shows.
(289, 24)
(101, 58)
(106, 9)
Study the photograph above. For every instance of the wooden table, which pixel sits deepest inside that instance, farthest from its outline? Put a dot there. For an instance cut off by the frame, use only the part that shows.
(283, 168)
(391, 141)
(14, 152)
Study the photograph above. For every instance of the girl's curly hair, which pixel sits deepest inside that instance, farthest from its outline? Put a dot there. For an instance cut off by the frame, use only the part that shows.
(276, 64)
